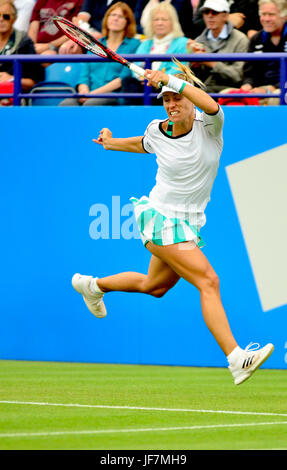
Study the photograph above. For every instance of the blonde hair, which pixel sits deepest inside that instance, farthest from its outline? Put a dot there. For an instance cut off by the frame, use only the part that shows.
(185, 73)
(280, 4)
(11, 3)
(172, 13)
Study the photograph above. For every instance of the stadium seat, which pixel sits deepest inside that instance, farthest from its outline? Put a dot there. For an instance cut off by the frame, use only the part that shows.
(63, 72)
(51, 88)
(59, 78)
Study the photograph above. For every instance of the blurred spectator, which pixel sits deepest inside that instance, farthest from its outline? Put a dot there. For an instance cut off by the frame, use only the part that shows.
(96, 9)
(13, 41)
(43, 32)
(264, 76)
(90, 19)
(243, 16)
(219, 36)
(24, 11)
(118, 30)
(183, 8)
(164, 36)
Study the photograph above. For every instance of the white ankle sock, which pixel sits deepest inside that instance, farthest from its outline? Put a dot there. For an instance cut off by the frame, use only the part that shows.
(94, 286)
(232, 357)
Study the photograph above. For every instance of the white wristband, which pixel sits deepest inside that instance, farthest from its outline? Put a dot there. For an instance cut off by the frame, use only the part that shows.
(177, 84)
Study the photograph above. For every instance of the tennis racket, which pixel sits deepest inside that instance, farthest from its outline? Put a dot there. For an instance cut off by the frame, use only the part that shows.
(86, 40)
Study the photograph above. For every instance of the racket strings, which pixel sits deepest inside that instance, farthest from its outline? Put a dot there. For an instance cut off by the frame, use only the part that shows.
(84, 40)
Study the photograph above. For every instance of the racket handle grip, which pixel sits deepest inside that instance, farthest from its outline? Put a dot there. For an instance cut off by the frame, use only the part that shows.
(140, 71)
(136, 69)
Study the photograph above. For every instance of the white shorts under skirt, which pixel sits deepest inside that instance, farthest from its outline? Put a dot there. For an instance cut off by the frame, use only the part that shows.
(156, 228)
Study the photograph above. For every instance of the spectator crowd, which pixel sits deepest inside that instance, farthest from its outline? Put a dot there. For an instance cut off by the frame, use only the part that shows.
(149, 27)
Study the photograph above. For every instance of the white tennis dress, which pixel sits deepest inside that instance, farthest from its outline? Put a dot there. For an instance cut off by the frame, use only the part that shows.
(187, 166)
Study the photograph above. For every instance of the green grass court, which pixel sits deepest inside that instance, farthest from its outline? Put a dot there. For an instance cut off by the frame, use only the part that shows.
(45, 405)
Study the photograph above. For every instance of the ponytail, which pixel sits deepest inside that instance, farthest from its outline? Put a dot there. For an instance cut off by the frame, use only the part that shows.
(185, 73)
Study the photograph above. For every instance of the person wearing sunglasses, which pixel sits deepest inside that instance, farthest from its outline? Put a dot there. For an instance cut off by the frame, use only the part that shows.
(219, 37)
(13, 41)
(243, 15)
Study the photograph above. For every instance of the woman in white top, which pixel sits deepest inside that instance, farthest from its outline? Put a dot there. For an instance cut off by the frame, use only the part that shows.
(187, 145)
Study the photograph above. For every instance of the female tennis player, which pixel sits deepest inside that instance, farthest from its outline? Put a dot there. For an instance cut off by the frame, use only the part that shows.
(187, 145)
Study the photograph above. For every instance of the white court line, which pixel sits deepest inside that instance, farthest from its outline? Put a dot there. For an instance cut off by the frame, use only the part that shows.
(142, 408)
(113, 431)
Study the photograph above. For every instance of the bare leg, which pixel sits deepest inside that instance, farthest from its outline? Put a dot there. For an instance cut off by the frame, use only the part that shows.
(193, 266)
(159, 279)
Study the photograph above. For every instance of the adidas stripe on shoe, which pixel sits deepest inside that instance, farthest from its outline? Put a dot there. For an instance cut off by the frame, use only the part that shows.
(248, 361)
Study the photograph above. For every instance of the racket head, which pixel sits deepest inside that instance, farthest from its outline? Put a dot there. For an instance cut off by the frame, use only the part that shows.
(81, 37)
(87, 41)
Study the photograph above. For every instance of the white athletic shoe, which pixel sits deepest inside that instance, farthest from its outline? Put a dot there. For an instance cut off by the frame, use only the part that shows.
(249, 360)
(94, 302)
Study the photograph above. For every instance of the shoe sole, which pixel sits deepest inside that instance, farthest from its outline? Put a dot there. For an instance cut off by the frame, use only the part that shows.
(248, 374)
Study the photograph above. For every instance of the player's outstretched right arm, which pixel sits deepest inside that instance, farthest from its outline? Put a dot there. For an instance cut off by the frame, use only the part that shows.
(128, 144)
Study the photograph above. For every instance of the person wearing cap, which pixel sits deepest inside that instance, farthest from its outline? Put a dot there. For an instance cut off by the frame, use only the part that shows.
(218, 37)
(243, 15)
(187, 145)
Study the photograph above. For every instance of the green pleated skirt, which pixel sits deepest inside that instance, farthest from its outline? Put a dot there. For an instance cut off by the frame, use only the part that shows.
(156, 228)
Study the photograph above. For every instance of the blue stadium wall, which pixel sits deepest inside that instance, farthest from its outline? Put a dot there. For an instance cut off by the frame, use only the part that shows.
(65, 208)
